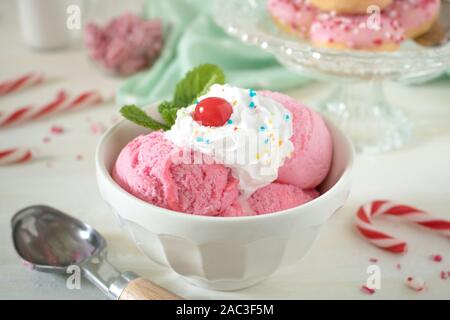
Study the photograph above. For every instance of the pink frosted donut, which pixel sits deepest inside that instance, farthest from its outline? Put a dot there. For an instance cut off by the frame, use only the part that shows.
(402, 19)
(354, 32)
(293, 16)
(415, 16)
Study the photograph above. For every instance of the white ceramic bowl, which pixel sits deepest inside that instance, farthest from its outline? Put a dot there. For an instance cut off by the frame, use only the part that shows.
(215, 252)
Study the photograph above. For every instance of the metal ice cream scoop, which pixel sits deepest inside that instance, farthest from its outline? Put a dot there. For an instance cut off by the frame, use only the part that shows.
(51, 241)
(439, 33)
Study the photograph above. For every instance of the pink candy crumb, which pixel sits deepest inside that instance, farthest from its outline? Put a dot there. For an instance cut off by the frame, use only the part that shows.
(436, 258)
(416, 284)
(365, 289)
(57, 129)
(97, 128)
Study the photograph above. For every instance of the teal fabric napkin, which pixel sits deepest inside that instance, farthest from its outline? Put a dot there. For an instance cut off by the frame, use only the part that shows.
(193, 38)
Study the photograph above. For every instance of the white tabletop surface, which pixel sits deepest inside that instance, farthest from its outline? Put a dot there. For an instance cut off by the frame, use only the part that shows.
(418, 174)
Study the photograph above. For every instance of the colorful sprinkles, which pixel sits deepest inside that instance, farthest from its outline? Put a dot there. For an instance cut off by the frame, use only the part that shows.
(266, 128)
(252, 94)
(280, 142)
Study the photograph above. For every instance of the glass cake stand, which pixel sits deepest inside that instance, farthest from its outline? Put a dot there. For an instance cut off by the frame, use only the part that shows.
(357, 103)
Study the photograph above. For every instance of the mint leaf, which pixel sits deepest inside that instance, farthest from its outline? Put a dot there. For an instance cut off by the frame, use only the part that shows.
(196, 83)
(138, 116)
(168, 112)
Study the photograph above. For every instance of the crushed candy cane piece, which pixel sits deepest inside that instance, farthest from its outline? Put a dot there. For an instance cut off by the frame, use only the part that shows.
(27, 265)
(365, 289)
(436, 258)
(97, 128)
(56, 129)
(417, 284)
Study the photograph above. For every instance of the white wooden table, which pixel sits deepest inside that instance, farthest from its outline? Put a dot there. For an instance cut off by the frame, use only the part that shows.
(418, 174)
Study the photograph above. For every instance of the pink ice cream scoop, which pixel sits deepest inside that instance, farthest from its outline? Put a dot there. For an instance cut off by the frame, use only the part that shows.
(278, 197)
(271, 198)
(313, 146)
(153, 169)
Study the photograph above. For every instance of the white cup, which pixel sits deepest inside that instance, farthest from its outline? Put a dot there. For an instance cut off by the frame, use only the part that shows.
(43, 23)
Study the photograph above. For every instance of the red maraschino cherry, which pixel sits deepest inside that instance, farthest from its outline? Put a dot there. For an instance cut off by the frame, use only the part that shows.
(213, 112)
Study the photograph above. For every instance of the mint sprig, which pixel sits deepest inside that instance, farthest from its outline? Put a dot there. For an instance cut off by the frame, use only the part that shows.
(138, 116)
(194, 84)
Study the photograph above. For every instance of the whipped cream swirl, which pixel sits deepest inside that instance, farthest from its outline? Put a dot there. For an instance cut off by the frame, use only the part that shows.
(254, 142)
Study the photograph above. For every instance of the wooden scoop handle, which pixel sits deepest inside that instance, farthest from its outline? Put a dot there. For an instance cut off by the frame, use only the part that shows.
(143, 289)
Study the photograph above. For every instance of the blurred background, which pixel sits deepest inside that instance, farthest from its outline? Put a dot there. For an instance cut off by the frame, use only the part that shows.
(101, 54)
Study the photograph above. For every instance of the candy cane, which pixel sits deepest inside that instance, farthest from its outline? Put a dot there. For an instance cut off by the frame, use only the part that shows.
(387, 242)
(22, 82)
(60, 103)
(15, 155)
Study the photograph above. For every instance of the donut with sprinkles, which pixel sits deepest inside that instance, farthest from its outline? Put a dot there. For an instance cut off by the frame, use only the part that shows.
(400, 20)
(354, 32)
(415, 16)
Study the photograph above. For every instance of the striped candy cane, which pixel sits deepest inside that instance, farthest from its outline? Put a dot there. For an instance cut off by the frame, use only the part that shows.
(387, 242)
(22, 82)
(15, 155)
(60, 103)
